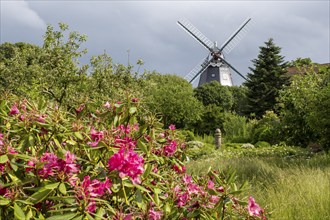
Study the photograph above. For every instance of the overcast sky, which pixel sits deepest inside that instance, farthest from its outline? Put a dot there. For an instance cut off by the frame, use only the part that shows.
(149, 31)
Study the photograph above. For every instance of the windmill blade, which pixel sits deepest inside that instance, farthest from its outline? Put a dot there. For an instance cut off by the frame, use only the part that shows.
(236, 37)
(199, 68)
(223, 60)
(195, 33)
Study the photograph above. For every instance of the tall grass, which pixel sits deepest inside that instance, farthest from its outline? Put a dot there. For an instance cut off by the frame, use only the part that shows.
(291, 188)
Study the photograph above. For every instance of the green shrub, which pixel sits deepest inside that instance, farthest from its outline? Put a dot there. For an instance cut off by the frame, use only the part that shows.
(247, 146)
(267, 128)
(237, 128)
(103, 164)
(262, 144)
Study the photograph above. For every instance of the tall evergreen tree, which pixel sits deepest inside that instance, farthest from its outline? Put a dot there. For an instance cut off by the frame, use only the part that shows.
(265, 80)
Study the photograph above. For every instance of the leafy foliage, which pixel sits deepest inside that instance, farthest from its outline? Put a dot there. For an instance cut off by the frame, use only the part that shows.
(306, 106)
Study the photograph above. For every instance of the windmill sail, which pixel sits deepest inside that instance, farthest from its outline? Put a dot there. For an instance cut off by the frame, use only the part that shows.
(200, 67)
(236, 37)
(216, 67)
(195, 33)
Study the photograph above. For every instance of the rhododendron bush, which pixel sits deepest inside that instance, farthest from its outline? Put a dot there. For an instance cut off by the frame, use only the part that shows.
(104, 163)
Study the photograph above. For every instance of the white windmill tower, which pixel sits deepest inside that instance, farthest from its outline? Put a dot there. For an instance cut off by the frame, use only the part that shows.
(214, 67)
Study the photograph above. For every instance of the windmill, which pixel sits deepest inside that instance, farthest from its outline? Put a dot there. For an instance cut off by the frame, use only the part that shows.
(214, 66)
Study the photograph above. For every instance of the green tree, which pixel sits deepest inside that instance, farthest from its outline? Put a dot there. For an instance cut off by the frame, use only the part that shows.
(239, 99)
(171, 97)
(306, 106)
(266, 78)
(63, 78)
(216, 94)
(19, 67)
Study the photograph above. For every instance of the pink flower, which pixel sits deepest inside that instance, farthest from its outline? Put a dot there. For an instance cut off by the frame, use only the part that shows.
(1, 140)
(80, 108)
(93, 144)
(179, 169)
(220, 189)
(135, 99)
(193, 188)
(41, 118)
(187, 179)
(127, 163)
(172, 127)
(50, 165)
(22, 117)
(153, 215)
(210, 184)
(54, 166)
(214, 199)
(88, 190)
(107, 105)
(14, 110)
(253, 208)
(177, 189)
(182, 199)
(96, 136)
(170, 148)
(126, 142)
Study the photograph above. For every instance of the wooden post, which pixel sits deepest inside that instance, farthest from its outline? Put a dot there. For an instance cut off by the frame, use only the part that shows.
(217, 138)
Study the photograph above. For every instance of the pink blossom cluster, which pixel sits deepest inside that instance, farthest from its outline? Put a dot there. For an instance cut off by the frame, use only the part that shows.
(14, 110)
(88, 190)
(179, 169)
(23, 116)
(127, 163)
(253, 208)
(1, 140)
(54, 166)
(126, 142)
(192, 195)
(96, 136)
(170, 148)
(154, 215)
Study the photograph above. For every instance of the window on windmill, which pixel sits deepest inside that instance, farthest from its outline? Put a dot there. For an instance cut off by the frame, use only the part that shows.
(213, 75)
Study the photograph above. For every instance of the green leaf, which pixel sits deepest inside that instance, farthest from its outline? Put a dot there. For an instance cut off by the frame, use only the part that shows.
(29, 215)
(71, 142)
(4, 201)
(142, 146)
(99, 214)
(78, 135)
(18, 212)
(4, 158)
(132, 110)
(147, 170)
(61, 217)
(167, 208)
(62, 188)
(193, 214)
(31, 140)
(80, 217)
(51, 186)
(39, 195)
(130, 185)
(57, 143)
(42, 193)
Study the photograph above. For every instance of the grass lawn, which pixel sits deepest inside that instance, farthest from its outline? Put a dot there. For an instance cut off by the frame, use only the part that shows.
(291, 186)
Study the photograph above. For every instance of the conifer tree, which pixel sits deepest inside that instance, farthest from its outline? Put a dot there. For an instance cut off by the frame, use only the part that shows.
(266, 78)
